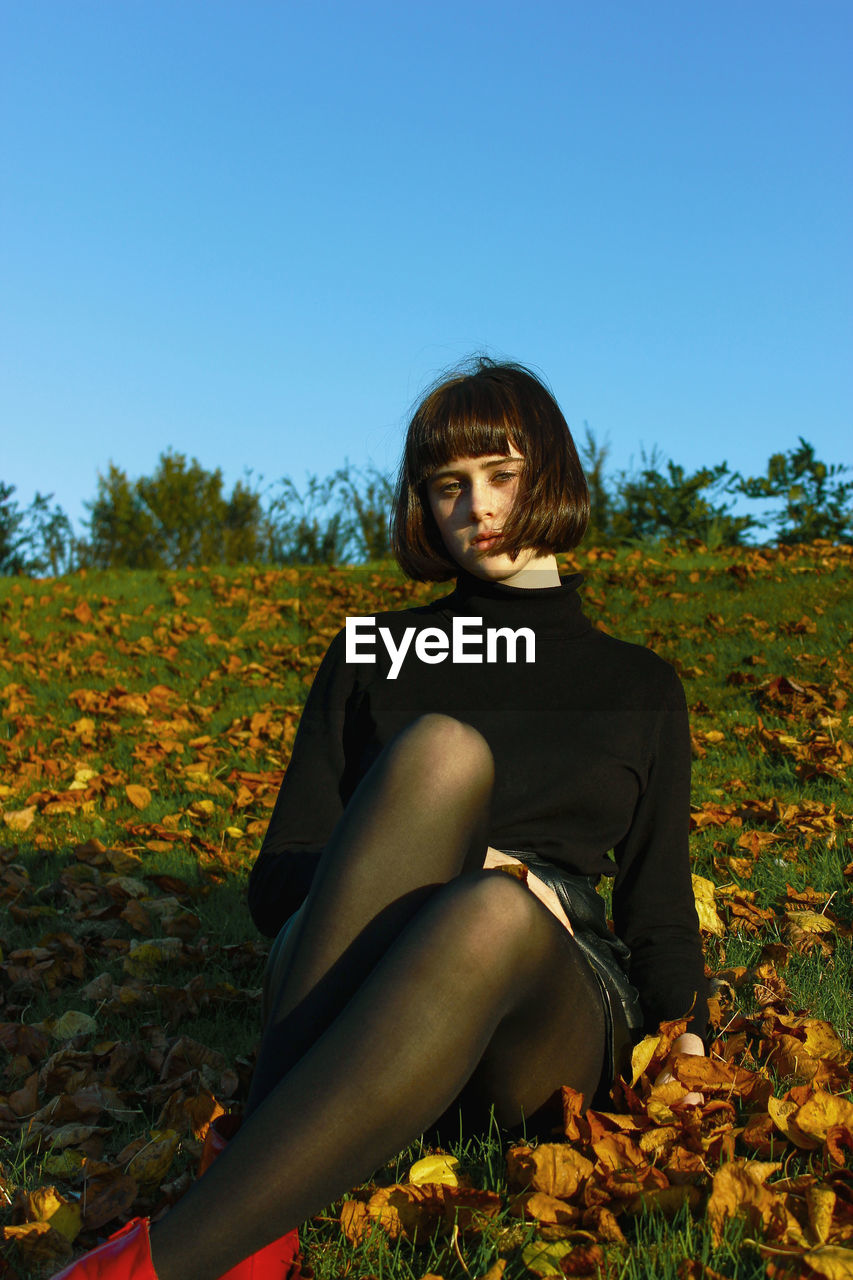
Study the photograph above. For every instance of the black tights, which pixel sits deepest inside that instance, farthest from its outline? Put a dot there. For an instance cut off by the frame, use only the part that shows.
(411, 982)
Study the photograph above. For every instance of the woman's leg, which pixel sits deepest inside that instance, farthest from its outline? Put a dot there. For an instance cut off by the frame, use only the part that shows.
(417, 819)
(482, 988)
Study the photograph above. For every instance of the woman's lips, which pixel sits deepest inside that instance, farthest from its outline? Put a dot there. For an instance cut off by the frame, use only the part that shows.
(486, 541)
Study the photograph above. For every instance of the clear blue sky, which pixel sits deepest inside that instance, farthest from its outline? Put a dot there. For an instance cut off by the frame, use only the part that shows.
(252, 231)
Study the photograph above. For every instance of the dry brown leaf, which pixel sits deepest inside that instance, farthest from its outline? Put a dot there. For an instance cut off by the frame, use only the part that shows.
(38, 1241)
(139, 796)
(739, 1190)
(540, 1207)
(554, 1167)
(667, 1200)
(495, 1271)
(151, 1163)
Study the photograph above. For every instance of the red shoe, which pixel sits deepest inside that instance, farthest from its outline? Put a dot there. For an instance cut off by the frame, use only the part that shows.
(280, 1259)
(126, 1255)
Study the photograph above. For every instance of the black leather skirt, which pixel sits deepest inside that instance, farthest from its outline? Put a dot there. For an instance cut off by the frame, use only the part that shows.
(608, 957)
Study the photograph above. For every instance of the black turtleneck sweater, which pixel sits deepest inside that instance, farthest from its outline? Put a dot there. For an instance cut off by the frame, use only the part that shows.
(592, 753)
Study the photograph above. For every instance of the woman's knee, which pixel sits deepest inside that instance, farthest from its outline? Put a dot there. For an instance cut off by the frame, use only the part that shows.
(491, 920)
(444, 749)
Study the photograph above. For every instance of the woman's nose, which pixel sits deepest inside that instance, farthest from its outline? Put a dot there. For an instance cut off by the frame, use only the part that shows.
(480, 504)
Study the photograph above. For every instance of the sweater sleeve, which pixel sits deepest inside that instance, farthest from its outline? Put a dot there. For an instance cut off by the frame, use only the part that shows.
(653, 906)
(311, 799)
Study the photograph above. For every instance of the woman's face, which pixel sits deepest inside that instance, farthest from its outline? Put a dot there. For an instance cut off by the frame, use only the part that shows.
(471, 498)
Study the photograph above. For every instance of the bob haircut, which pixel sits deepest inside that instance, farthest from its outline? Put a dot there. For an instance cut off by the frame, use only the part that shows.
(483, 407)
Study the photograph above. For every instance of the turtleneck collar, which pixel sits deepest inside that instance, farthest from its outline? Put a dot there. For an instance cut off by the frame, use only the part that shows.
(552, 611)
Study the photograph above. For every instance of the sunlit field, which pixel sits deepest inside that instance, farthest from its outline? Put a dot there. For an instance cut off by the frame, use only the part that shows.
(147, 720)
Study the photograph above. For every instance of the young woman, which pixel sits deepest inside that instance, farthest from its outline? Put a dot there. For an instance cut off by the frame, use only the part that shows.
(413, 985)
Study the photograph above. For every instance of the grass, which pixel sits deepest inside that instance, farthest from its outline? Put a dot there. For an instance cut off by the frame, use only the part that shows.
(228, 644)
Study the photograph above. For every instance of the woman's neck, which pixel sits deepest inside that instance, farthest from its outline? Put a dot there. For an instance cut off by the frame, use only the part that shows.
(538, 571)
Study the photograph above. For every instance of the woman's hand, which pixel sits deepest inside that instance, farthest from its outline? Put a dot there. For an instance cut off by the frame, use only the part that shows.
(545, 894)
(686, 1043)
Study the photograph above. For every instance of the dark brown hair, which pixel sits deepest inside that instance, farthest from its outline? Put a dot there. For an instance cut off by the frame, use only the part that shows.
(478, 408)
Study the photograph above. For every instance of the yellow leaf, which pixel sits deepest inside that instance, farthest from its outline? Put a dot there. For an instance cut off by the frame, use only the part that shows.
(821, 1206)
(145, 957)
(82, 778)
(138, 796)
(810, 921)
(68, 1220)
(830, 1261)
(73, 1023)
(45, 1204)
(64, 1164)
(703, 896)
(435, 1169)
(642, 1055)
(823, 1042)
(150, 1165)
(20, 819)
(544, 1259)
(202, 810)
(821, 1112)
(38, 1241)
(783, 1115)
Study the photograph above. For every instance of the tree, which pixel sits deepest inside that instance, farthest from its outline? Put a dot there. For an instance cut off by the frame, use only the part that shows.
(35, 540)
(175, 517)
(815, 503)
(372, 506)
(121, 529)
(593, 457)
(299, 528)
(49, 537)
(11, 539)
(653, 505)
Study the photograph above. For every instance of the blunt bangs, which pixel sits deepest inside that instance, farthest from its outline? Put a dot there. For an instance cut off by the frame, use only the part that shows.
(458, 421)
(484, 407)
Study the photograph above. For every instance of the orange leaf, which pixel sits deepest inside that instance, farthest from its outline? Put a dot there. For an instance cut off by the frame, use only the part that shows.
(553, 1167)
(138, 796)
(739, 1190)
(543, 1208)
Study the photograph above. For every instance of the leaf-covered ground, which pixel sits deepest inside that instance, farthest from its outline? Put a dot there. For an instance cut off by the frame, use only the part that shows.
(146, 724)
